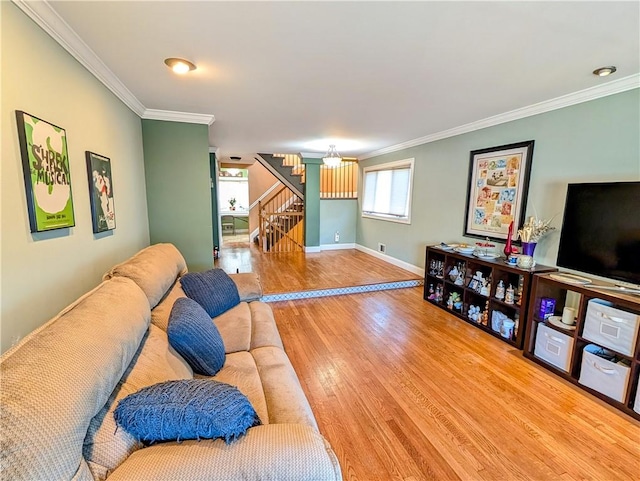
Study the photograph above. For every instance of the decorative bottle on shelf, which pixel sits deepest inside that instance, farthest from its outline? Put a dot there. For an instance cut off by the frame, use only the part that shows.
(508, 297)
(500, 290)
(439, 293)
(520, 289)
(508, 249)
(484, 317)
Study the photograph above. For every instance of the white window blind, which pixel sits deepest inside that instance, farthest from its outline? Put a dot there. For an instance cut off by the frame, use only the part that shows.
(387, 191)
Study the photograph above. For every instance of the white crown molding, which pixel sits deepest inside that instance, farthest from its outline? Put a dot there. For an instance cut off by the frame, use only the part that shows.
(172, 116)
(48, 19)
(614, 87)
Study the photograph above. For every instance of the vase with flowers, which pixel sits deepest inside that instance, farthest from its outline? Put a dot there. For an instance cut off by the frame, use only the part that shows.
(232, 203)
(532, 231)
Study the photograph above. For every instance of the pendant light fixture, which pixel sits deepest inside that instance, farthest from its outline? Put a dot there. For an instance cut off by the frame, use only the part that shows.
(332, 159)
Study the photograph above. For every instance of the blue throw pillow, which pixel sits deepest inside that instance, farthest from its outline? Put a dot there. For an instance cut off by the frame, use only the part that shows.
(186, 409)
(213, 289)
(193, 334)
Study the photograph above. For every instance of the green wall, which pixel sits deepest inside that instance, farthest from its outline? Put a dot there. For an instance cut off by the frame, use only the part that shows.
(312, 202)
(338, 215)
(44, 272)
(176, 160)
(595, 141)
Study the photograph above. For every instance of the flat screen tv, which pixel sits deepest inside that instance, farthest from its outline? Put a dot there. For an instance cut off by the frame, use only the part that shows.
(601, 230)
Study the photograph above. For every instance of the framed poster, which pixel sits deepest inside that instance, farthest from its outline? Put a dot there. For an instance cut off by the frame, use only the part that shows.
(47, 178)
(101, 192)
(498, 186)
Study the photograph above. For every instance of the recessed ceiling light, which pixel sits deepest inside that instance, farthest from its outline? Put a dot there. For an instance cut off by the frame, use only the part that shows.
(179, 65)
(604, 71)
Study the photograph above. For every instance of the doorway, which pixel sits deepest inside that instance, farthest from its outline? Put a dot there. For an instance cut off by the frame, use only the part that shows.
(233, 196)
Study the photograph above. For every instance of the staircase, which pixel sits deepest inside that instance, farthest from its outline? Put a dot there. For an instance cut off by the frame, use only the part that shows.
(287, 168)
(282, 222)
(282, 218)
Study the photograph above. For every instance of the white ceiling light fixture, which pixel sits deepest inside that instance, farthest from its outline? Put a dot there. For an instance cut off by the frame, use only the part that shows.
(604, 71)
(332, 159)
(179, 65)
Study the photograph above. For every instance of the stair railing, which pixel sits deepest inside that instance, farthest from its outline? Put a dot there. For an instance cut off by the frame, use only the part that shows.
(282, 222)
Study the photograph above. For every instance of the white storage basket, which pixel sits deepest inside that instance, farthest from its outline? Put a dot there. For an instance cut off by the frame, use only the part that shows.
(610, 327)
(606, 377)
(553, 347)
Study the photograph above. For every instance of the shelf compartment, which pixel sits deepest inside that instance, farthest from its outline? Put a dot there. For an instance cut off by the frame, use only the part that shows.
(497, 320)
(553, 347)
(610, 327)
(604, 376)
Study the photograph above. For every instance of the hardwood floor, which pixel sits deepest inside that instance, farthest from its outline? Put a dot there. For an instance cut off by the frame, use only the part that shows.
(299, 271)
(404, 391)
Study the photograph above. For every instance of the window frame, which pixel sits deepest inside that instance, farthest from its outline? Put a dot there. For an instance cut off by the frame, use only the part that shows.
(410, 162)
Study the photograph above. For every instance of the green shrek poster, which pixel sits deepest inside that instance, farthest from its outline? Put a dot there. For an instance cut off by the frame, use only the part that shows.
(45, 162)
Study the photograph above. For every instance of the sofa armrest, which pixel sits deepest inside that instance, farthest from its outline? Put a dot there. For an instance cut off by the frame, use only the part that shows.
(249, 286)
(287, 452)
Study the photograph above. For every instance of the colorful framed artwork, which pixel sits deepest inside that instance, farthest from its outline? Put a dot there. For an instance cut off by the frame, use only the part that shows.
(101, 192)
(47, 176)
(498, 186)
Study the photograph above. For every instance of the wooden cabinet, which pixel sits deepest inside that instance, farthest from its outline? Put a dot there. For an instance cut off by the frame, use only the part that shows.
(450, 274)
(607, 324)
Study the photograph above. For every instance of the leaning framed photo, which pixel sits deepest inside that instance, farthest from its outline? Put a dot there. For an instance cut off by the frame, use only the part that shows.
(497, 193)
(47, 176)
(103, 211)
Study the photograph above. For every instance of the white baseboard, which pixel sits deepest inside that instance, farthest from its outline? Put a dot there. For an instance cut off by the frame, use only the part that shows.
(335, 247)
(312, 249)
(391, 260)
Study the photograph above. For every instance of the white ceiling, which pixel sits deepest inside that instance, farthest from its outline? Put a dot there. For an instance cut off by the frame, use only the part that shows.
(278, 76)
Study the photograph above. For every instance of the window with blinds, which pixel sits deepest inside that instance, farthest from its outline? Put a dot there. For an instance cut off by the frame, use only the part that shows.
(387, 191)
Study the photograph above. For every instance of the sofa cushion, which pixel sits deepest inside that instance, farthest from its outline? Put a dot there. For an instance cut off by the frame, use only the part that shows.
(187, 409)
(235, 328)
(264, 331)
(213, 289)
(283, 394)
(248, 284)
(153, 269)
(286, 452)
(105, 446)
(59, 377)
(240, 370)
(160, 313)
(248, 326)
(266, 376)
(195, 337)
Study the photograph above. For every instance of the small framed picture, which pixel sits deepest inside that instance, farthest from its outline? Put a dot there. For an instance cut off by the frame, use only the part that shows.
(101, 192)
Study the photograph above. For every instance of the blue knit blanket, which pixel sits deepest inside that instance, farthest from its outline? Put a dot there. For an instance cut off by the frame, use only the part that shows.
(186, 409)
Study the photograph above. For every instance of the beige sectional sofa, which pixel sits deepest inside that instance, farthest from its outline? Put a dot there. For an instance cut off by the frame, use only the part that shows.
(61, 384)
